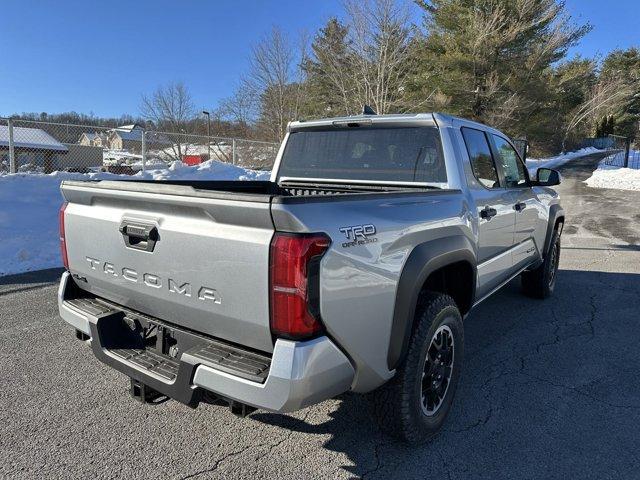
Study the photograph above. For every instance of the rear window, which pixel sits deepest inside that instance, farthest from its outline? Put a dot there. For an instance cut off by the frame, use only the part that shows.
(481, 159)
(409, 154)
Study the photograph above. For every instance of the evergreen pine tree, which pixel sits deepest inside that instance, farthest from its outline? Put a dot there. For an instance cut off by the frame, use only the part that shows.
(328, 72)
(625, 64)
(492, 60)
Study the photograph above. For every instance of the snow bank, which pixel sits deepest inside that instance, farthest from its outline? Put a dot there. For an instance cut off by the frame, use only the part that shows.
(554, 162)
(211, 170)
(29, 206)
(607, 176)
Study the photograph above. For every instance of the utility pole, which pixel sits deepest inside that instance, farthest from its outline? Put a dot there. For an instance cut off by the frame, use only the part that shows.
(204, 112)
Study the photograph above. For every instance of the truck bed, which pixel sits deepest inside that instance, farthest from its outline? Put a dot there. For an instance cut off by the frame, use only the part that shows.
(208, 268)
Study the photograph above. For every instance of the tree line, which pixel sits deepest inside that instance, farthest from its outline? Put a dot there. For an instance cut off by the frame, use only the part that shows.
(501, 62)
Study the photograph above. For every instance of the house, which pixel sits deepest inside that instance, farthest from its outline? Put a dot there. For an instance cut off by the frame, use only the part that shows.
(126, 137)
(100, 140)
(93, 139)
(87, 138)
(129, 138)
(34, 149)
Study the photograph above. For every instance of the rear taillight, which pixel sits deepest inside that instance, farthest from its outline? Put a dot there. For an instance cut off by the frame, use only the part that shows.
(294, 284)
(63, 241)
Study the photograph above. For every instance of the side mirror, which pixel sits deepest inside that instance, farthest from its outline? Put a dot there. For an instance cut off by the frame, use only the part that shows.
(547, 177)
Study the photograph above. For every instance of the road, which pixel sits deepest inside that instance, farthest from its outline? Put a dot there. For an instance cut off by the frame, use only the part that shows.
(550, 389)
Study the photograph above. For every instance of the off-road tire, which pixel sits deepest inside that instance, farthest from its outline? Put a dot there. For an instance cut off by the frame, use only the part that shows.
(540, 283)
(397, 404)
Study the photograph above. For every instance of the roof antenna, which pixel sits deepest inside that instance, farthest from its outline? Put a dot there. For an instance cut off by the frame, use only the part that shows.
(367, 110)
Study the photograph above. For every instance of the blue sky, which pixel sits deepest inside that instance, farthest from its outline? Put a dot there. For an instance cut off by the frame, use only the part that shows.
(100, 57)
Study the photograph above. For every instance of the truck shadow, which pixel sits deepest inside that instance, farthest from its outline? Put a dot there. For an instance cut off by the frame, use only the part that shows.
(29, 281)
(536, 375)
(50, 275)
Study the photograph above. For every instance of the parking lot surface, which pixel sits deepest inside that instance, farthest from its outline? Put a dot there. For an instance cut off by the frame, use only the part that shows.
(550, 389)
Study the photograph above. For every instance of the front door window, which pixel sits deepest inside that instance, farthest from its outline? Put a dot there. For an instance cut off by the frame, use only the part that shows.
(512, 167)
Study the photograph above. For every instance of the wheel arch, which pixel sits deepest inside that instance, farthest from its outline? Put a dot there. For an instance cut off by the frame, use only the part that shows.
(431, 265)
(556, 217)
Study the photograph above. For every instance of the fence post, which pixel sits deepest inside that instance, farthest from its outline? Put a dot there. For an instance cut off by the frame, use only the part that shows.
(12, 153)
(627, 147)
(233, 151)
(144, 151)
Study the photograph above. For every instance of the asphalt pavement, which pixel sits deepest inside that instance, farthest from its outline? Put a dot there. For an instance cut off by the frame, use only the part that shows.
(550, 389)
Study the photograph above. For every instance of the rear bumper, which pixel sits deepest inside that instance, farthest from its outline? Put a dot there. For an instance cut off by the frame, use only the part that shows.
(300, 373)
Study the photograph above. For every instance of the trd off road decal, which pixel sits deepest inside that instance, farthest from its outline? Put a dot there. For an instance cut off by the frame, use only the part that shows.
(359, 235)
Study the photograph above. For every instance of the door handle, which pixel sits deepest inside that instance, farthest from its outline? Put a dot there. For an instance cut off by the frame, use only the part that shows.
(520, 206)
(488, 212)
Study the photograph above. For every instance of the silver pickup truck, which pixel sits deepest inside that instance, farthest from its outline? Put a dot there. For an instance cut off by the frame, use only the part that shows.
(350, 270)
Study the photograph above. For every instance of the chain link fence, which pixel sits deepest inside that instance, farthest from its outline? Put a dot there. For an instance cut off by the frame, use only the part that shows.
(44, 147)
(162, 148)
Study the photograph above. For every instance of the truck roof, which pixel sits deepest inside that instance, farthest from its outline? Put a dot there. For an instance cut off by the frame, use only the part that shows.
(432, 118)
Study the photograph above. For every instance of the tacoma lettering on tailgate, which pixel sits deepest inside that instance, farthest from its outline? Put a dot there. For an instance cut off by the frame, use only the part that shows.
(151, 280)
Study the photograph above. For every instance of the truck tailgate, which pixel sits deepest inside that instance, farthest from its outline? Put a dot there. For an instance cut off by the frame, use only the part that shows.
(194, 258)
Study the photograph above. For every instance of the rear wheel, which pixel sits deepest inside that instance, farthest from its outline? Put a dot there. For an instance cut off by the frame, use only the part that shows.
(540, 283)
(414, 404)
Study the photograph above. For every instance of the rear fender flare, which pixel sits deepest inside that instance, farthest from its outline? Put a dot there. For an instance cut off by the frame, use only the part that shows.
(423, 260)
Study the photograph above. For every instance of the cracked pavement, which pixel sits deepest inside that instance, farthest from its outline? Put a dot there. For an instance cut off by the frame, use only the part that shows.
(550, 389)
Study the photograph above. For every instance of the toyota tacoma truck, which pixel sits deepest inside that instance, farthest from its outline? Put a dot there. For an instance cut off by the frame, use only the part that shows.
(350, 270)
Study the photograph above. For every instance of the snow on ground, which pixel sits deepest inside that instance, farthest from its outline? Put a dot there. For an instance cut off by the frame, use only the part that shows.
(554, 162)
(211, 170)
(608, 176)
(29, 205)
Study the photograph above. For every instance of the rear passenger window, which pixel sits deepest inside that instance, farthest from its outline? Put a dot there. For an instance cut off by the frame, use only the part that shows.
(480, 155)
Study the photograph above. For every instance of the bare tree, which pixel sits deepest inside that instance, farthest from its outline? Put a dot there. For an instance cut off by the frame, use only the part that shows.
(273, 74)
(171, 109)
(607, 95)
(380, 33)
(299, 73)
(241, 108)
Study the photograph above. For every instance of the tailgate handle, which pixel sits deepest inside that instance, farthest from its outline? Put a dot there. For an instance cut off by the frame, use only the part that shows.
(139, 236)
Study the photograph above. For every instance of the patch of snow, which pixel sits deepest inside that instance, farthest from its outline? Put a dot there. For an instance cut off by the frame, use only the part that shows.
(609, 176)
(533, 164)
(29, 205)
(210, 170)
